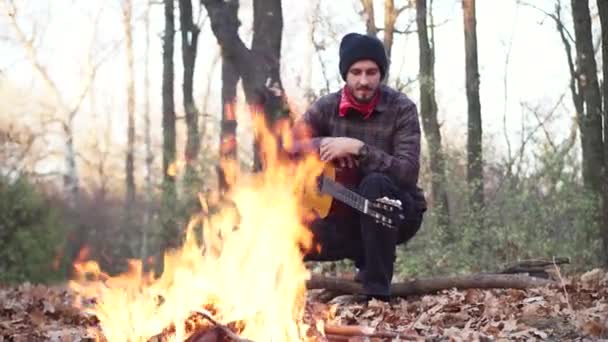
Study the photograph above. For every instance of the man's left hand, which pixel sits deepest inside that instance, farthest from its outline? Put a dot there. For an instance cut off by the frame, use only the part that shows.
(338, 147)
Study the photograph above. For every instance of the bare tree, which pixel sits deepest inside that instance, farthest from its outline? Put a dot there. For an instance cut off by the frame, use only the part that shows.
(169, 197)
(319, 46)
(603, 13)
(474, 131)
(258, 67)
(308, 55)
(147, 141)
(189, 38)
(587, 98)
(67, 110)
(127, 14)
(16, 146)
(22, 145)
(428, 113)
(390, 17)
(590, 120)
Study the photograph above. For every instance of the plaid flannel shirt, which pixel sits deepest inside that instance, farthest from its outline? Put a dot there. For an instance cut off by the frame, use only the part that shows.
(391, 136)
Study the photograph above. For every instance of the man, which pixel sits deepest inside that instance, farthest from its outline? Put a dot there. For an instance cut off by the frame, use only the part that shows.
(372, 133)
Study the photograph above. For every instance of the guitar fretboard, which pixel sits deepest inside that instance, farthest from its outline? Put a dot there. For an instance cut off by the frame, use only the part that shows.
(344, 194)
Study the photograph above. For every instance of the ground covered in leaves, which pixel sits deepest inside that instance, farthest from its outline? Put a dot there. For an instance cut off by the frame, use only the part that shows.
(576, 309)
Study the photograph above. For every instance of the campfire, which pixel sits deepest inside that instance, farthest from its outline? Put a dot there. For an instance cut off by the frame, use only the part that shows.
(239, 269)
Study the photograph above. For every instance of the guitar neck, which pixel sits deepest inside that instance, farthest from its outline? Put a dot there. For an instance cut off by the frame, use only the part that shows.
(345, 195)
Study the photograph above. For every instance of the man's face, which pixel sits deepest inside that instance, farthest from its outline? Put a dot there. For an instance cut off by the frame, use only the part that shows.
(363, 78)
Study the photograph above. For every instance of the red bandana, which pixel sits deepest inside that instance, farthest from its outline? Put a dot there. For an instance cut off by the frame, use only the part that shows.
(348, 101)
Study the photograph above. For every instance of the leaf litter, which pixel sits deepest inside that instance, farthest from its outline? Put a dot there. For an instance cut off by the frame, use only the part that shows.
(575, 310)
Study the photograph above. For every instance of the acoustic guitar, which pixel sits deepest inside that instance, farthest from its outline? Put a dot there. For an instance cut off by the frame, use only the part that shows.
(321, 190)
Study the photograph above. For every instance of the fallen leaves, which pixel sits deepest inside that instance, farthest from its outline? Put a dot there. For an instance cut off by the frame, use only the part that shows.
(38, 313)
(501, 314)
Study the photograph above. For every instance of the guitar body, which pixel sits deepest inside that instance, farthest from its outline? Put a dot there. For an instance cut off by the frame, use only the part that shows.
(313, 199)
(330, 189)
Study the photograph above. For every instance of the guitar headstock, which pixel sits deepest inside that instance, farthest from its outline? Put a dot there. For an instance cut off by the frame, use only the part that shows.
(387, 212)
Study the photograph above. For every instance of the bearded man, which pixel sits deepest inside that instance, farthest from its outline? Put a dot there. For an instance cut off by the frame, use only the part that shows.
(371, 132)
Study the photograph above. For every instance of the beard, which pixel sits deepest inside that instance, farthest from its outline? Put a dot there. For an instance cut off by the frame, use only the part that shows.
(363, 94)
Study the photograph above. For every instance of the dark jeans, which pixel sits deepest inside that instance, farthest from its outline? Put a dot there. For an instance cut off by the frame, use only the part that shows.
(359, 238)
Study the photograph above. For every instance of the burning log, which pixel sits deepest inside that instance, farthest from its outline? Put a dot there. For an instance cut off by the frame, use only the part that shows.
(217, 333)
(432, 285)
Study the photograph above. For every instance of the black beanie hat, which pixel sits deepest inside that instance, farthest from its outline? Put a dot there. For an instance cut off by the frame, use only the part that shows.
(355, 47)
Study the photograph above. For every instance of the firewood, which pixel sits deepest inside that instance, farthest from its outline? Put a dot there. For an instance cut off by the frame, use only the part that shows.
(224, 329)
(343, 332)
(432, 285)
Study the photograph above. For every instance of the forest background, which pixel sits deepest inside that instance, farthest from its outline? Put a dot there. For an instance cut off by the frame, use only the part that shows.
(115, 114)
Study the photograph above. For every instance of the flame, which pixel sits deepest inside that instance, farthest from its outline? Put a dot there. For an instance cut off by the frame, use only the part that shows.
(252, 275)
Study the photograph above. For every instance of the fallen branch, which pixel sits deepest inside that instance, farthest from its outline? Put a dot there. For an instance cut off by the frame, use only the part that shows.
(345, 332)
(535, 266)
(432, 285)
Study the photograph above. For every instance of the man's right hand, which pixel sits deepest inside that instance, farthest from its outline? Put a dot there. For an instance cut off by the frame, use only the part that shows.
(334, 148)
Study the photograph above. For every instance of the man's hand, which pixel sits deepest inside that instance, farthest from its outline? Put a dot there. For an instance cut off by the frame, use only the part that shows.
(341, 148)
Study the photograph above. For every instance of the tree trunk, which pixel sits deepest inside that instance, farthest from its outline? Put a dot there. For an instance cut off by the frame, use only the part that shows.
(309, 51)
(591, 125)
(71, 179)
(129, 163)
(228, 141)
(474, 130)
(370, 21)
(603, 12)
(170, 238)
(265, 84)
(143, 255)
(390, 17)
(228, 144)
(189, 37)
(259, 67)
(428, 112)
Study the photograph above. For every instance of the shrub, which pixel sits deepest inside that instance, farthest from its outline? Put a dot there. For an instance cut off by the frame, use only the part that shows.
(32, 234)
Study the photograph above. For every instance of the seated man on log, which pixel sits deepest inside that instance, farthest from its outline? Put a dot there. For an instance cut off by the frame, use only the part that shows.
(371, 132)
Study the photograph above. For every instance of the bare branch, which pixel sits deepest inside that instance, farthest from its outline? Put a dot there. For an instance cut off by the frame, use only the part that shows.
(27, 44)
(542, 122)
(407, 30)
(555, 16)
(85, 90)
(505, 84)
(400, 10)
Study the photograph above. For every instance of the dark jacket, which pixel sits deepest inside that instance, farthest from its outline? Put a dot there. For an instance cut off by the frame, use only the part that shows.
(391, 136)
